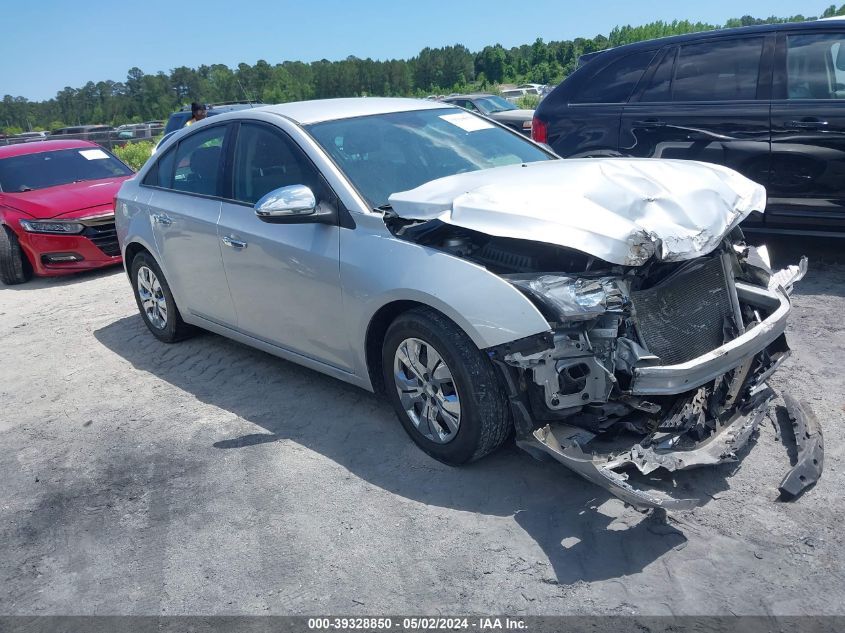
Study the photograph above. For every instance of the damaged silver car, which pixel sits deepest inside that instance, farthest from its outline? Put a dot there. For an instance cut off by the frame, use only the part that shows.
(608, 312)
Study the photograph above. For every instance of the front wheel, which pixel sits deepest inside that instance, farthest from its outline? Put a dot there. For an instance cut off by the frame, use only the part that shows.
(155, 300)
(443, 388)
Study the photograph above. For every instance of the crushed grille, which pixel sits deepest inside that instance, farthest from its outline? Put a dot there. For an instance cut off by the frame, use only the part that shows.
(684, 316)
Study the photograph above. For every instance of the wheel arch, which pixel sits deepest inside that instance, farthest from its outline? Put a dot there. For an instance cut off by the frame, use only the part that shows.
(131, 251)
(376, 331)
(136, 246)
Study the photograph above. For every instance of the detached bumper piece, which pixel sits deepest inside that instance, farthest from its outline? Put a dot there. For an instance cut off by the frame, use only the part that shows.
(568, 445)
(809, 443)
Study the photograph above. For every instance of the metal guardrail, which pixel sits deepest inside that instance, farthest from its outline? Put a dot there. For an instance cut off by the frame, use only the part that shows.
(108, 139)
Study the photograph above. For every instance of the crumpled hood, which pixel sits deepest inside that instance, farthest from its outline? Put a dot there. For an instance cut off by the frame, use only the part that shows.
(53, 202)
(622, 210)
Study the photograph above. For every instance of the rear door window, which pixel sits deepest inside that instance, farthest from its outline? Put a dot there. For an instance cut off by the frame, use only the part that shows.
(722, 70)
(616, 81)
(161, 173)
(659, 87)
(815, 66)
(198, 162)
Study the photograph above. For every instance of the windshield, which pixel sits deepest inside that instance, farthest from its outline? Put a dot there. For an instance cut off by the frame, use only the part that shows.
(494, 104)
(58, 167)
(387, 153)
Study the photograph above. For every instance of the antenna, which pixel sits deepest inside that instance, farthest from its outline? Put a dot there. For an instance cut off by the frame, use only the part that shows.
(248, 100)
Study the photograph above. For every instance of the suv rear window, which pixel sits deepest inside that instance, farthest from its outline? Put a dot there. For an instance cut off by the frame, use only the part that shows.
(722, 70)
(615, 82)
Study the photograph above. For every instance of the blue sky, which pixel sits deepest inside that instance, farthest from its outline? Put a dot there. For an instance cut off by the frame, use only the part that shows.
(49, 44)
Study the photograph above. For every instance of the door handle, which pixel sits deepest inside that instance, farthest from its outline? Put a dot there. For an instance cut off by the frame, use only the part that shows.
(649, 123)
(806, 125)
(161, 218)
(233, 243)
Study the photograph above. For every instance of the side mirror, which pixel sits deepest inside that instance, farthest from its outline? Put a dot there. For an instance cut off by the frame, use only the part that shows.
(287, 202)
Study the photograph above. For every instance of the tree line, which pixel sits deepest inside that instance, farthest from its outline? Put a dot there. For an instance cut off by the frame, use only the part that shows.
(143, 97)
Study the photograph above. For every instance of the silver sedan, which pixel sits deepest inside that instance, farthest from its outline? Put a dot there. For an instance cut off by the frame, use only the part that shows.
(607, 312)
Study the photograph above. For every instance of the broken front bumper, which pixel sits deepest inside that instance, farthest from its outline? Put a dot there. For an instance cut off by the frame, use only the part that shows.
(755, 355)
(566, 444)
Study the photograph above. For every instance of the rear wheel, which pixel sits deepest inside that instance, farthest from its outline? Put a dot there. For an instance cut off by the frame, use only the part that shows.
(155, 301)
(14, 266)
(443, 388)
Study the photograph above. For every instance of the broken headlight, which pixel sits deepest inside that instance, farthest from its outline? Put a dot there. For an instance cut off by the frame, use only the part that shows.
(573, 298)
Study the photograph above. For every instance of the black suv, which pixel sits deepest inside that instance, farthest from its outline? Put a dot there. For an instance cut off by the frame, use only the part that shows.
(767, 101)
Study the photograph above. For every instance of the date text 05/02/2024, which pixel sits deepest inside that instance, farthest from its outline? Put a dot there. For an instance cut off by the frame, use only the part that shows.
(416, 623)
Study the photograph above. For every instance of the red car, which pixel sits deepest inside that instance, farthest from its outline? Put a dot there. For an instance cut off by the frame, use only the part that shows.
(57, 208)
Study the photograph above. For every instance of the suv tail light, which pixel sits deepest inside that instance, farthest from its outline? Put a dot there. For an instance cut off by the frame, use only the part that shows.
(539, 130)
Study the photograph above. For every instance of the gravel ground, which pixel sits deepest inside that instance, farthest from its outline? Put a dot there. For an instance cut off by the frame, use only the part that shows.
(207, 477)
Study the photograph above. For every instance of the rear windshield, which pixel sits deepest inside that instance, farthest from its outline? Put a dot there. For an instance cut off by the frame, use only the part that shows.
(494, 104)
(58, 167)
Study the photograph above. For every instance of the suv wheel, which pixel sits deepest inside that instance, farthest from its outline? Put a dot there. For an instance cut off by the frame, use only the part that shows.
(155, 301)
(444, 390)
(14, 266)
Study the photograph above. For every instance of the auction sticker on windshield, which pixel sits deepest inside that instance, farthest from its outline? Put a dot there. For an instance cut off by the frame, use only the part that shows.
(93, 154)
(466, 121)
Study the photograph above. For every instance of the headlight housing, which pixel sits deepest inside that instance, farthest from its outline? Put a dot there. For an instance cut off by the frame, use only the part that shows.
(573, 298)
(56, 228)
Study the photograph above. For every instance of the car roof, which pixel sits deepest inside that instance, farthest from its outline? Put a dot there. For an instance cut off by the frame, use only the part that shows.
(321, 110)
(217, 108)
(42, 146)
(83, 127)
(307, 112)
(472, 95)
(692, 37)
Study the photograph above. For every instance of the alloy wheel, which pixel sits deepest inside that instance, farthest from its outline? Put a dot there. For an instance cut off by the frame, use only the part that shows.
(427, 390)
(152, 297)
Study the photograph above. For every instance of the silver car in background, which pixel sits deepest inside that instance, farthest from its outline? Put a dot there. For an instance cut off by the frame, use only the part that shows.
(607, 312)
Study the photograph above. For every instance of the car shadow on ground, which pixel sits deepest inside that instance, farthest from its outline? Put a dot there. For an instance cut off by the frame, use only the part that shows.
(565, 515)
(38, 283)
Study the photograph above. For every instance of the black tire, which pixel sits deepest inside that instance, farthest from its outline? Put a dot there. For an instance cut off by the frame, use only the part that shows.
(174, 328)
(485, 420)
(14, 265)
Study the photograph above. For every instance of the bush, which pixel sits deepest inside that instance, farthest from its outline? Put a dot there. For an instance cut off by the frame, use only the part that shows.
(134, 154)
(528, 102)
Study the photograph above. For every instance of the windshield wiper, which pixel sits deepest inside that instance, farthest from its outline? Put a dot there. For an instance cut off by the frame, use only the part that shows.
(386, 208)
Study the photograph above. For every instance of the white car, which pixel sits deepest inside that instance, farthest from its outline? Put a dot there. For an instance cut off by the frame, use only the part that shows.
(607, 312)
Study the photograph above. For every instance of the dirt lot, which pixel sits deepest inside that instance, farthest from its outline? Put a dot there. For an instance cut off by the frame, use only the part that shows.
(207, 477)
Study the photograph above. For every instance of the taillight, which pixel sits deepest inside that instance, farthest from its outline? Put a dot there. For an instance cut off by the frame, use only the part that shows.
(539, 130)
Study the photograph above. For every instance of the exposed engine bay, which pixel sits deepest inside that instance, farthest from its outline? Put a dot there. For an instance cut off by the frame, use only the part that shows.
(661, 365)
